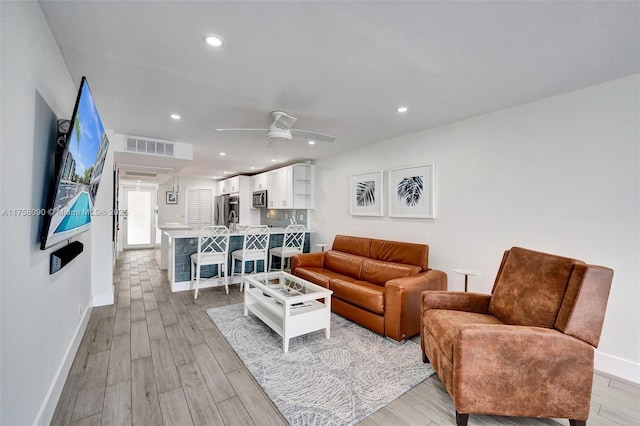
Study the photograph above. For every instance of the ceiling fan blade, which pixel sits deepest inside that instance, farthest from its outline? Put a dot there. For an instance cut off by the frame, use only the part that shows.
(249, 130)
(313, 135)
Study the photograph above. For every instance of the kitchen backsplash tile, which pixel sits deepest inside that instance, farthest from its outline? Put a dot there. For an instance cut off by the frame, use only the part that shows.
(283, 217)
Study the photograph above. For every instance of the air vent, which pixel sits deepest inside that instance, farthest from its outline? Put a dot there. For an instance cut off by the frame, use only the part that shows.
(139, 174)
(148, 146)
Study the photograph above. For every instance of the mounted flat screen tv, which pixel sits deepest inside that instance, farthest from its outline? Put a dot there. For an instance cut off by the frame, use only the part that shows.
(78, 172)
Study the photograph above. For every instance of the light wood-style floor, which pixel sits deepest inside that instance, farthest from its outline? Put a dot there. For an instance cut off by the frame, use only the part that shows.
(155, 358)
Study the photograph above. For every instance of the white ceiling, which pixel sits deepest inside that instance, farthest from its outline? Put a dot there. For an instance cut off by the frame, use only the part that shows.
(341, 68)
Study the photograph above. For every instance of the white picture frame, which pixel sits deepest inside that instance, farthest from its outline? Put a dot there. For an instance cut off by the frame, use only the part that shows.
(366, 194)
(412, 192)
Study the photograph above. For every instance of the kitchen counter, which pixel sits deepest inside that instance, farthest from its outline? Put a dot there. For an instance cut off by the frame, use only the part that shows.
(173, 226)
(179, 244)
(193, 233)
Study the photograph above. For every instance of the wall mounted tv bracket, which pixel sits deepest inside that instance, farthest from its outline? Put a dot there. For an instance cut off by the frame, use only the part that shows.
(63, 129)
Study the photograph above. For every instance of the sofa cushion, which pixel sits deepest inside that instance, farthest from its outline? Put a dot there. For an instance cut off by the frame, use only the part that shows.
(379, 271)
(529, 287)
(444, 326)
(399, 252)
(319, 276)
(360, 293)
(344, 263)
(354, 245)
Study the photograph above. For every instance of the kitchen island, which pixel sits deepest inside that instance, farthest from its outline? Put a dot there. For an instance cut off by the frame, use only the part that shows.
(178, 245)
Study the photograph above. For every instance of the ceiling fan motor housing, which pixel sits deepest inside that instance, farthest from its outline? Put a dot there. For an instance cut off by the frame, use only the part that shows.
(277, 134)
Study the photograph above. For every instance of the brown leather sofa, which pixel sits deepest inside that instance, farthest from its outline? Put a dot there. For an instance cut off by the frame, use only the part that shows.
(525, 350)
(375, 283)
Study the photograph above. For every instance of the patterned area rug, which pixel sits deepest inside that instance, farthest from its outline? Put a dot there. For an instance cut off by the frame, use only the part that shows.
(336, 381)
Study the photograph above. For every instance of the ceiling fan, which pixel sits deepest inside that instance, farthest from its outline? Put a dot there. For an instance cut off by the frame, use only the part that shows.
(280, 130)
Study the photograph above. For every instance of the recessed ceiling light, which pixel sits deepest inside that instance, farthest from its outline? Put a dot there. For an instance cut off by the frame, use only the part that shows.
(226, 173)
(223, 154)
(213, 40)
(402, 109)
(252, 168)
(273, 160)
(175, 116)
(138, 181)
(312, 142)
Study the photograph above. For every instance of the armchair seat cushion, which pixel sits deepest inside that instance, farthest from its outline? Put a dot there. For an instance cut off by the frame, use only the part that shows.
(445, 326)
(359, 293)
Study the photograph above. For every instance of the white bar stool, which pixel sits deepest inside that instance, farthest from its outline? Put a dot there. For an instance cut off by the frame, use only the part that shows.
(254, 247)
(292, 244)
(213, 249)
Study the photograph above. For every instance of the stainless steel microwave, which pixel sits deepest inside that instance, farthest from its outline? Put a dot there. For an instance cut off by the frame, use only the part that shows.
(259, 199)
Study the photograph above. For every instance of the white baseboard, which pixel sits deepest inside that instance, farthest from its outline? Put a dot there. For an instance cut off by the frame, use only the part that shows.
(618, 367)
(103, 299)
(45, 414)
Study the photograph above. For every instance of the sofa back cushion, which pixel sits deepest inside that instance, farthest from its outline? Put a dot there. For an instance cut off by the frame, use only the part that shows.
(530, 287)
(379, 272)
(354, 245)
(398, 252)
(344, 263)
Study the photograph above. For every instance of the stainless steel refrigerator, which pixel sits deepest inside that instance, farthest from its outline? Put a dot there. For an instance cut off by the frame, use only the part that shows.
(223, 207)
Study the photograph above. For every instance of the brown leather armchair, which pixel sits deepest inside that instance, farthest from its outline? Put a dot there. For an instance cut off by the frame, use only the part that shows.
(525, 350)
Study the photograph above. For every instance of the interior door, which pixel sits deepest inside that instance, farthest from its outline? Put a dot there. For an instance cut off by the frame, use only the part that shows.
(138, 223)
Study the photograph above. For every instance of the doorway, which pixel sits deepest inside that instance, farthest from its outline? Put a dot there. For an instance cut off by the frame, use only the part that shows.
(139, 230)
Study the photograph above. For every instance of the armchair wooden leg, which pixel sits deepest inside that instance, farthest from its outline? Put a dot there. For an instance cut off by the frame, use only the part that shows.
(425, 358)
(461, 419)
(577, 422)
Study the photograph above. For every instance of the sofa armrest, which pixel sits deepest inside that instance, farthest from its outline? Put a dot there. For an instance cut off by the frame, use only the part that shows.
(311, 260)
(402, 302)
(456, 301)
(522, 371)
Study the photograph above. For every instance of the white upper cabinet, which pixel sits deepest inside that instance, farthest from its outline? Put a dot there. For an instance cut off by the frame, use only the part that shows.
(290, 187)
(260, 181)
(230, 186)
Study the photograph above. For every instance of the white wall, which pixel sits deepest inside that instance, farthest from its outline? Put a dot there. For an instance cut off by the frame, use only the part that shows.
(560, 175)
(177, 213)
(42, 315)
(102, 235)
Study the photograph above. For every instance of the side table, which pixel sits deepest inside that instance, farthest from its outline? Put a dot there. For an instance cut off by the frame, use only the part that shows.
(466, 273)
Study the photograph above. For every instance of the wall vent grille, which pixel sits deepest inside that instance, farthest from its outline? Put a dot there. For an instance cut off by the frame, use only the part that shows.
(148, 146)
(139, 174)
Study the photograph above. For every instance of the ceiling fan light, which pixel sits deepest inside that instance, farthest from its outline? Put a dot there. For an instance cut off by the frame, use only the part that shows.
(213, 40)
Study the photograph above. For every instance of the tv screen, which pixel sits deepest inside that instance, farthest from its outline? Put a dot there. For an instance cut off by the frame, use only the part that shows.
(78, 173)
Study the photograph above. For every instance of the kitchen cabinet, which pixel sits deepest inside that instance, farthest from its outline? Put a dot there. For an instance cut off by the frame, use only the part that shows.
(260, 181)
(230, 186)
(291, 187)
(280, 193)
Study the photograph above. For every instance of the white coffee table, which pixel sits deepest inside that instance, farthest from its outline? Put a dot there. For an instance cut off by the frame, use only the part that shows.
(288, 304)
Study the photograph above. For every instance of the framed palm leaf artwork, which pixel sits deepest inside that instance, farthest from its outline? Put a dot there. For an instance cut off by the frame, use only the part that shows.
(412, 191)
(365, 194)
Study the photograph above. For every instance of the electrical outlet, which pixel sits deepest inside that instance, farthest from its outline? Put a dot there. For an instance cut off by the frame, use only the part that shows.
(301, 217)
